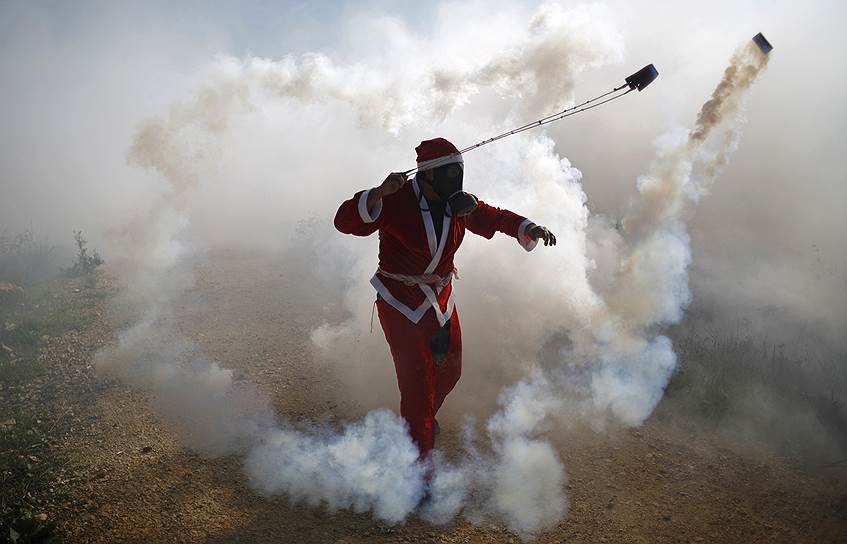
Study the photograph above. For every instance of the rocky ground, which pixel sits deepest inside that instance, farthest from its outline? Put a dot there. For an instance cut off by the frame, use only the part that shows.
(108, 470)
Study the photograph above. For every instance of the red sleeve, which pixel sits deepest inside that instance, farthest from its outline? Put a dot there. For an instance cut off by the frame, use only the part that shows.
(352, 216)
(485, 220)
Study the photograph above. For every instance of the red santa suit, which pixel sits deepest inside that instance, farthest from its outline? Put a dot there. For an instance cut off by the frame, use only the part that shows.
(415, 288)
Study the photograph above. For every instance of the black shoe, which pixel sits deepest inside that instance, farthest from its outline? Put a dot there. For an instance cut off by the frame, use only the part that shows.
(426, 499)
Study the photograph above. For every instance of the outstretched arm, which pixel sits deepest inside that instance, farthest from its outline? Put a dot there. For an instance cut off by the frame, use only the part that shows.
(486, 220)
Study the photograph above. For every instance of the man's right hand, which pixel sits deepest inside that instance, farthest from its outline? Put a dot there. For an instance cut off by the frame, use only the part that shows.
(393, 183)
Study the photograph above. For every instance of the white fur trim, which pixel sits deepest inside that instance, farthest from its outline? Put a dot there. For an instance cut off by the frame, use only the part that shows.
(427, 220)
(436, 247)
(442, 317)
(441, 161)
(363, 208)
(523, 238)
(412, 315)
(445, 233)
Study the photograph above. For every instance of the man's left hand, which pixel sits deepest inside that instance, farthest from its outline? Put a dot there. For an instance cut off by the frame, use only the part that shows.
(539, 232)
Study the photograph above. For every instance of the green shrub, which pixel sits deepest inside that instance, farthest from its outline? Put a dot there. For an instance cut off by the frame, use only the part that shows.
(85, 263)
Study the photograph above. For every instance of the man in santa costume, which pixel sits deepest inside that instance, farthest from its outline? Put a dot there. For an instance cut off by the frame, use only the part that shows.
(421, 224)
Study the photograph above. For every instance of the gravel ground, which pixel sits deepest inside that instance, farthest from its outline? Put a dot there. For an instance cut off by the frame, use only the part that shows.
(128, 479)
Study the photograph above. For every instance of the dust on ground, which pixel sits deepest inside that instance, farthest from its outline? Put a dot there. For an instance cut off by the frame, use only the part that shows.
(131, 480)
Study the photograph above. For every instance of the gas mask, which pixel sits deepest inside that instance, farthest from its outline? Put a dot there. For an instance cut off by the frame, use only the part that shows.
(447, 182)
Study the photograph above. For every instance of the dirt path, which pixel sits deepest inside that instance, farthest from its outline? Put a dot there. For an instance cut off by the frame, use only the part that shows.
(653, 484)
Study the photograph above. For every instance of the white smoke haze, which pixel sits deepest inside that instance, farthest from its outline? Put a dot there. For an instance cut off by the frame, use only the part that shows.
(615, 369)
(253, 148)
(213, 412)
(371, 465)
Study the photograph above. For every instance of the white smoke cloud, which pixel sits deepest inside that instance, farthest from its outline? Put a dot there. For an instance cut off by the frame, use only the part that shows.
(614, 365)
(370, 466)
(213, 411)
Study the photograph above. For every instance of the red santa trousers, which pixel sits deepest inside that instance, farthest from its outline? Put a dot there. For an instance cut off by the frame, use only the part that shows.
(423, 384)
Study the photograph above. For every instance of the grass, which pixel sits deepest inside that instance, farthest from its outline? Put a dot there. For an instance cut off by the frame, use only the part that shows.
(36, 306)
(32, 407)
(790, 395)
(37, 314)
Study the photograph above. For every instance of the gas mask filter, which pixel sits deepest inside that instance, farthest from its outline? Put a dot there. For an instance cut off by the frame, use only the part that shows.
(447, 182)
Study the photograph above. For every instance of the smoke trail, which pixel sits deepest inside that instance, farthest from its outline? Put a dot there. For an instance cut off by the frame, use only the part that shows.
(745, 66)
(661, 193)
(614, 366)
(618, 367)
(646, 294)
(651, 289)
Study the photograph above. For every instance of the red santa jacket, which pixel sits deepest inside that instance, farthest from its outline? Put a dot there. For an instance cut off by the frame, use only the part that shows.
(408, 244)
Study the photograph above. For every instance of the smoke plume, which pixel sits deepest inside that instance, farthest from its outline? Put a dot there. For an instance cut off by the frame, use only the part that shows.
(598, 316)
